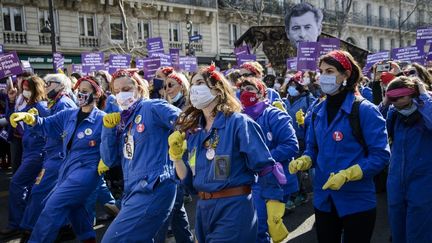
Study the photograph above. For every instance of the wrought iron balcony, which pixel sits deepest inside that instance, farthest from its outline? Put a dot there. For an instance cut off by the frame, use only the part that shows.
(15, 37)
(88, 41)
(175, 44)
(196, 3)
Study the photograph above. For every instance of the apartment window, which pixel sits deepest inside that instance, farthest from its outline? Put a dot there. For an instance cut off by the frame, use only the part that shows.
(44, 18)
(355, 7)
(13, 19)
(382, 44)
(409, 43)
(326, 4)
(143, 29)
(402, 44)
(86, 25)
(369, 14)
(174, 32)
(369, 43)
(392, 44)
(233, 31)
(116, 28)
(196, 29)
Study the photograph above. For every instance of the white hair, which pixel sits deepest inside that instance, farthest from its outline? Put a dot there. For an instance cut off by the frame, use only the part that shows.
(61, 78)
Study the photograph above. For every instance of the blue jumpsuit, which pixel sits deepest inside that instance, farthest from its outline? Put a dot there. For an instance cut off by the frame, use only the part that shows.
(242, 148)
(409, 182)
(24, 178)
(333, 148)
(78, 175)
(149, 186)
(280, 138)
(273, 95)
(48, 176)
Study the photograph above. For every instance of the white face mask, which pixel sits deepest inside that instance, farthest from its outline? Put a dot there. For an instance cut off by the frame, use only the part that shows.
(328, 84)
(27, 94)
(125, 99)
(306, 81)
(408, 111)
(292, 91)
(276, 86)
(201, 96)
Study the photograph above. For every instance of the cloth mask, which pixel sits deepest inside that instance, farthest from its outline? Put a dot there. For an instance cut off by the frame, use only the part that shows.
(306, 81)
(27, 94)
(248, 98)
(84, 99)
(201, 96)
(408, 111)
(177, 97)
(328, 84)
(292, 91)
(125, 99)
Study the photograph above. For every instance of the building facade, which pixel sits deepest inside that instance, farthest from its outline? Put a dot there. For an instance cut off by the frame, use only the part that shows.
(98, 25)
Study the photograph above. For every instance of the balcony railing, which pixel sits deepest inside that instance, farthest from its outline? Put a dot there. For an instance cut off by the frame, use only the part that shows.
(195, 3)
(175, 44)
(45, 40)
(88, 41)
(15, 37)
(197, 46)
(270, 7)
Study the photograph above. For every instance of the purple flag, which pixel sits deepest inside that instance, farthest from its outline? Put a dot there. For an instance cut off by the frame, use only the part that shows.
(245, 58)
(188, 63)
(328, 44)
(150, 66)
(155, 45)
(92, 61)
(119, 61)
(242, 50)
(411, 54)
(291, 64)
(164, 59)
(10, 65)
(307, 53)
(175, 54)
(58, 59)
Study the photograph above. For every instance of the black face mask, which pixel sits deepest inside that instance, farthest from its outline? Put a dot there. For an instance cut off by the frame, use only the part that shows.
(84, 99)
(411, 119)
(52, 94)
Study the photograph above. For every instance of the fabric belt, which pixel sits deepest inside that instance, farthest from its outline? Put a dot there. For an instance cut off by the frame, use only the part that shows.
(229, 192)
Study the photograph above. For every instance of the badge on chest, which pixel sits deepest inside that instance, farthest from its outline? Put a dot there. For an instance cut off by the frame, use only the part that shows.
(128, 147)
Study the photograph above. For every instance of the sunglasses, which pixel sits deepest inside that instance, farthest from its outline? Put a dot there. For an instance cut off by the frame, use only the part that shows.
(410, 72)
(169, 85)
(48, 83)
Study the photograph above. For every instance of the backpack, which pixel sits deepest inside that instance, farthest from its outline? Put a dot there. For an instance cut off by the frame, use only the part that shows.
(354, 121)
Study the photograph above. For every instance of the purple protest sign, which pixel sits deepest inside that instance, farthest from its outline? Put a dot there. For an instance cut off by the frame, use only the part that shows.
(307, 53)
(374, 58)
(155, 45)
(188, 63)
(423, 37)
(150, 66)
(118, 61)
(245, 58)
(328, 44)
(175, 54)
(10, 65)
(411, 54)
(92, 61)
(164, 59)
(77, 68)
(241, 50)
(139, 63)
(26, 66)
(58, 60)
(291, 64)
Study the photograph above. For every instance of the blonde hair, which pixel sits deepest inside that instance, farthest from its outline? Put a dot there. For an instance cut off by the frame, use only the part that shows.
(140, 83)
(253, 67)
(61, 78)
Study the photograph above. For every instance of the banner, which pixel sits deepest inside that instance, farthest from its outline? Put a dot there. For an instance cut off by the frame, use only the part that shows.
(188, 63)
(424, 38)
(139, 63)
(241, 50)
(155, 45)
(150, 66)
(374, 58)
(175, 54)
(118, 61)
(10, 65)
(77, 68)
(328, 44)
(58, 60)
(242, 58)
(307, 53)
(291, 64)
(92, 61)
(411, 54)
(165, 59)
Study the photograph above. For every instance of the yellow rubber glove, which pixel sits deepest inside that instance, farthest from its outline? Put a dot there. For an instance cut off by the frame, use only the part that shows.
(177, 145)
(279, 105)
(276, 227)
(300, 117)
(22, 116)
(102, 168)
(111, 120)
(302, 163)
(33, 111)
(336, 181)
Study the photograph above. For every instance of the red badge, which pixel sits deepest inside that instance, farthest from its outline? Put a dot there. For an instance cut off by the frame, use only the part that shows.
(92, 143)
(337, 136)
(140, 128)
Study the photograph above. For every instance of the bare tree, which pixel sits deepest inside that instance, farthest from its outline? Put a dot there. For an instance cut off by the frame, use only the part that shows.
(342, 10)
(403, 21)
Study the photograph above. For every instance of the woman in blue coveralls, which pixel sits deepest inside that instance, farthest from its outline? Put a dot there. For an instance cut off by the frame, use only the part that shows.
(80, 130)
(344, 192)
(32, 157)
(279, 137)
(409, 182)
(176, 92)
(226, 151)
(138, 138)
(57, 87)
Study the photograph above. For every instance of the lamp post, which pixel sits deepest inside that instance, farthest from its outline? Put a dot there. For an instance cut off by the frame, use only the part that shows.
(189, 30)
(49, 28)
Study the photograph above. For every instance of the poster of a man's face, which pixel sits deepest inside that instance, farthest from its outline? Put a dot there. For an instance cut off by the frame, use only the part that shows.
(303, 22)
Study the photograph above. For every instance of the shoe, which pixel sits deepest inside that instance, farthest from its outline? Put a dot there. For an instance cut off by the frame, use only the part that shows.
(7, 233)
(187, 199)
(111, 209)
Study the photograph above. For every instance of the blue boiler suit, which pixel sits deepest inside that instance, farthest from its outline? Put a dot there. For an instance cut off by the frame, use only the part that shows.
(24, 178)
(78, 175)
(409, 182)
(331, 153)
(280, 138)
(149, 186)
(242, 148)
(48, 176)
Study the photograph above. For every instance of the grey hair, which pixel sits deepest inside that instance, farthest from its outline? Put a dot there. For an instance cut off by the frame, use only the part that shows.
(62, 78)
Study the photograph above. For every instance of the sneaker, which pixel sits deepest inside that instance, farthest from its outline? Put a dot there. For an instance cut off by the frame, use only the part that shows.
(111, 209)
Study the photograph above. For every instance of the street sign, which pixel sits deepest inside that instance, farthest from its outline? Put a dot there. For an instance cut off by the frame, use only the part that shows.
(195, 38)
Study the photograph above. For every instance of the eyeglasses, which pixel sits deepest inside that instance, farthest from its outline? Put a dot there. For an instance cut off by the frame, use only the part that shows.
(48, 83)
(410, 72)
(169, 85)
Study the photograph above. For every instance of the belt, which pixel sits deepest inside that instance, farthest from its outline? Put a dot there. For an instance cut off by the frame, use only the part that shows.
(229, 192)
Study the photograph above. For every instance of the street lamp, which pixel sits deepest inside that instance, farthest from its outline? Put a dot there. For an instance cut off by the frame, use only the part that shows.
(49, 29)
(189, 26)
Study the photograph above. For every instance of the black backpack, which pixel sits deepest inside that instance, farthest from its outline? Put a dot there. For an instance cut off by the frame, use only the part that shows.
(354, 121)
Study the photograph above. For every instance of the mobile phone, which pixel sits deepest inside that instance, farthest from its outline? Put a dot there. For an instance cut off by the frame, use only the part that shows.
(383, 67)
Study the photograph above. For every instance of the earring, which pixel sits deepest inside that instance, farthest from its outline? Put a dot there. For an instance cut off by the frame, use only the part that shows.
(344, 83)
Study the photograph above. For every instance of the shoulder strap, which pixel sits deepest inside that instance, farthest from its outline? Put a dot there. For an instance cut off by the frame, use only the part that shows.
(354, 120)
